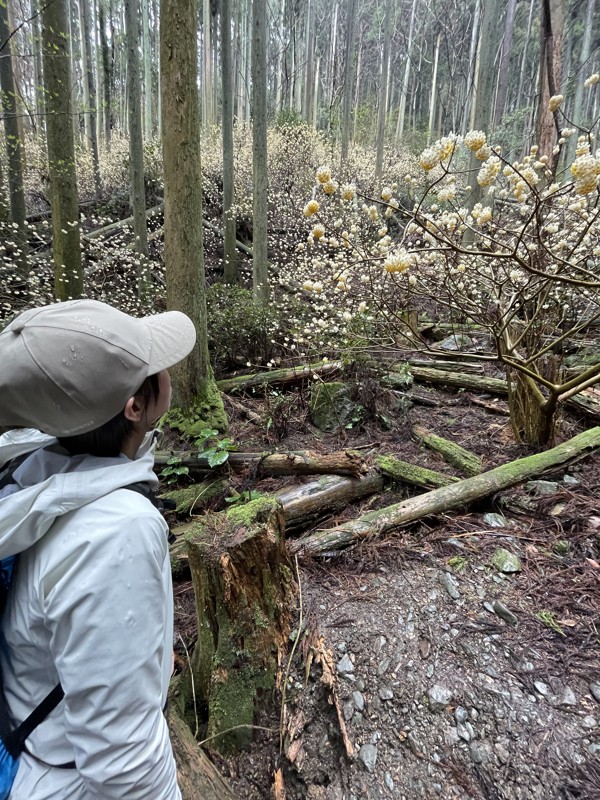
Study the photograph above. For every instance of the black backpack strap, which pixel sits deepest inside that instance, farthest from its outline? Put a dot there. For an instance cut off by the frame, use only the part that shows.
(164, 504)
(15, 741)
(9, 469)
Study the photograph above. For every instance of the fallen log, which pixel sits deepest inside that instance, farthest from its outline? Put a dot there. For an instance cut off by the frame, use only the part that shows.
(196, 774)
(303, 462)
(327, 494)
(278, 377)
(462, 366)
(404, 472)
(195, 497)
(114, 227)
(447, 498)
(467, 462)
(584, 402)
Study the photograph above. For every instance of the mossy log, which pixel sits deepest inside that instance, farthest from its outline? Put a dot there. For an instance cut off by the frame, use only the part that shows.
(302, 462)
(278, 377)
(450, 365)
(195, 497)
(244, 591)
(404, 472)
(468, 463)
(325, 495)
(449, 497)
(115, 227)
(585, 402)
(196, 774)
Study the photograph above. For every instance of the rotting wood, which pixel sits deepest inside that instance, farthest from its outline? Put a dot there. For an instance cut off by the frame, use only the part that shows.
(244, 593)
(404, 472)
(585, 402)
(468, 463)
(196, 774)
(278, 377)
(446, 498)
(303, 462)
(189, 498)
(114, 227)
(453, 366)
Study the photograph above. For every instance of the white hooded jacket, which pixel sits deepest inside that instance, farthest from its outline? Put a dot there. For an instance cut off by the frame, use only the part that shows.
(90, 606)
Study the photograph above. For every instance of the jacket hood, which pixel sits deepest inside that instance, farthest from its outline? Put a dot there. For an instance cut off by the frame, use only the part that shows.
(50, 483)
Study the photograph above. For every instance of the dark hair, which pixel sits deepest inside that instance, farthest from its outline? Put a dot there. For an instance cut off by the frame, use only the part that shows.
(108, 440)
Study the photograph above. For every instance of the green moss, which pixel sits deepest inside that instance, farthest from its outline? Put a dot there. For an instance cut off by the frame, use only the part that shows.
(248, 514)
(207, 411)
(194, 497)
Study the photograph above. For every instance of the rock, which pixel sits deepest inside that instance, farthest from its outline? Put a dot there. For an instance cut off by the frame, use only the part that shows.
(570, 480)
(461, 714)
(477, 752)
(505, 561)
(589, 722)
(541, 687)
(359, 701)
(331, 407)
(504, 613)
(451, 737)
(595, 690)
(463, 732)
(502, 753)
(345, 665)
(389, 782)
(368, 755)
(496, 521)
(458, 341)
(348, 711)
(542, 487)
(385, 693)
(439, 697)
(450, 584)
(568, 697)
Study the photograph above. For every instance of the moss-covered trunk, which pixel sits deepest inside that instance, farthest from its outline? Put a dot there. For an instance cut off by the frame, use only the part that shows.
(532, 416)
(244, 589)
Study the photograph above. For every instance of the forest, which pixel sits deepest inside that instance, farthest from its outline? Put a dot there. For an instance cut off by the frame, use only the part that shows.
(382, 456)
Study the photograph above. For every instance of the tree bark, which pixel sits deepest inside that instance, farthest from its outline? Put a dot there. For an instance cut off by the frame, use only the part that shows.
(193, 382)
(14, 142)
(468, 463)
(106, 73)
(277, 377)
(504, 61)
(136, 141)
(68, 272)
(447, 498)
(551, 31)
(260, 266)
(90, 94)
(348, 80)
(244, 595)
(383, 91)
(229, 237)
(196, 774)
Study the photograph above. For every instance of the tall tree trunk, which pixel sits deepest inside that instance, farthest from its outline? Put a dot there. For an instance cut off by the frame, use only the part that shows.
(551, 31)
(88, 81)
(383, 91)
(509, 24)
(577, 115)
(14, 143)
(348, 79)
(106, 73)
(471, 82)
(148, 127)
(208, 116)
(260, 266)
(432, 105)
(136, 142)
(77, 70)
(193, 383)
(229, 233)
(309, 85)
(68, 272)
(518, 101)
(404, 89)
(38, 77)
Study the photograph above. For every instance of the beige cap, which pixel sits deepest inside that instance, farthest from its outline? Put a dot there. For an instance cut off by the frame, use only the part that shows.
(68, 368)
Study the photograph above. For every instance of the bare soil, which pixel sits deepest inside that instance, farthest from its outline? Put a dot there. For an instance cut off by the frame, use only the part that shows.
(451, 679)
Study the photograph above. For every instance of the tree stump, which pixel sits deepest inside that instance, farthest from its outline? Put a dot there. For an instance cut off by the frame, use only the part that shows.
(244, 587)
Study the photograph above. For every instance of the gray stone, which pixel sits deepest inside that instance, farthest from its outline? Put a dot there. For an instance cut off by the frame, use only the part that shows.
(477, 752)
(461, 714)
(495, 520)
(389, 781)
(383, 666)
(542, 688)
(589, 722)
(359, 701)
(502, 753)
(570, 480)
(568, 697)
(463, 732)
(595, 690)
(593, 748)
(451, 736)
(542, 487)
(439, 697)
(345, 665)
(450, 584)
(386, 693)
(504, 613)
(380, 643)
(458, 341)
(348, 711)
(368, 755)
(505, 561)
(331, 407)
(437, 788)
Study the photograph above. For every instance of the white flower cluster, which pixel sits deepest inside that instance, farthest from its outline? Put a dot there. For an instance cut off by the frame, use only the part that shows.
(489, 171)
(399, 261)
(586, 171)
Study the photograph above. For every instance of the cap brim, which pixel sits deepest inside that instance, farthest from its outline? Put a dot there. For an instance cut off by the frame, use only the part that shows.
(173, 337)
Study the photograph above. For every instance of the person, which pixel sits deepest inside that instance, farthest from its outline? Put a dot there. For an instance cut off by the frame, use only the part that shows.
(90, 604)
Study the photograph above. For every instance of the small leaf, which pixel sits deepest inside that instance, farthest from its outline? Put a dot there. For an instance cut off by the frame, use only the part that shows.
(216, 458)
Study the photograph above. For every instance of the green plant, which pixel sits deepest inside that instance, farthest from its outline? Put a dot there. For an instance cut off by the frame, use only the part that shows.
(549, 619)
(214, 450)
(458, 563)
(238, 498)
(174, 470)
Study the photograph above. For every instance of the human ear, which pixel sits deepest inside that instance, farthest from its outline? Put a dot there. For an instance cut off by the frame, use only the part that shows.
(134, 409)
